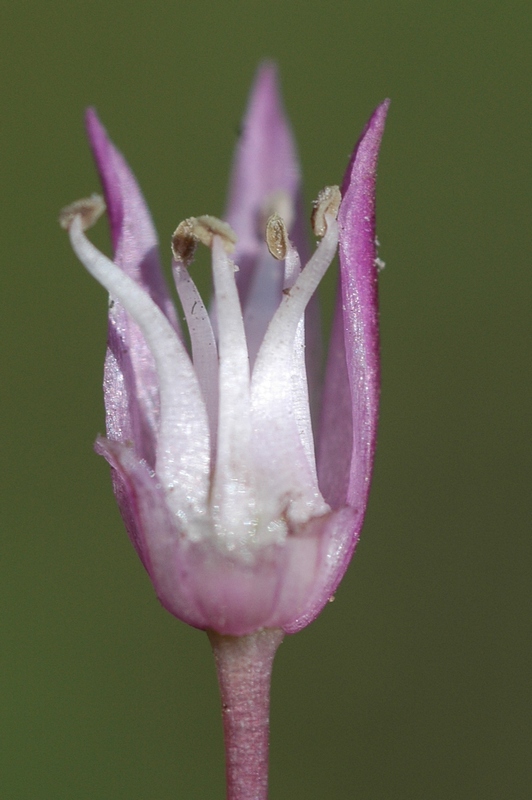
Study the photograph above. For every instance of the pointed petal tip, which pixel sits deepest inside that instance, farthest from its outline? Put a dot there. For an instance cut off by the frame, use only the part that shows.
(109, 164)
(96, 132)
(266, 91)
(378, 115)
(384, 106)
(265, 161)
(267, 74)
(105, 152)
(91, 116)
(365, 153)
(378, 118)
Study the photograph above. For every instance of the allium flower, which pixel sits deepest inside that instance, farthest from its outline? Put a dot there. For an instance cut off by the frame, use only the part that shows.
(240, 526)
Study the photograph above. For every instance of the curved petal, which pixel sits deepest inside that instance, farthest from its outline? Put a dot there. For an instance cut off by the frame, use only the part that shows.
(265, 162)
(137, 493)
(130, 382)
(338, 539)
(265, 167)
(350, 407)
(335, 443)
(133, 234)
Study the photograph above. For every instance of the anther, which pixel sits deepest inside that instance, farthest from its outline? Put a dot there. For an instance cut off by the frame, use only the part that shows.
(184, 242)
(89, 209)
(327, 203)
(202, 229)
(277, 237)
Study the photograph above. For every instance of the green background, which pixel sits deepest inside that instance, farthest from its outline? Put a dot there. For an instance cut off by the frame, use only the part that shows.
(415, 682)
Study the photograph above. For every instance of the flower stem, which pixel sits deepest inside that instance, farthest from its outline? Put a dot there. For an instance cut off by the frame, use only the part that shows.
(244, 667)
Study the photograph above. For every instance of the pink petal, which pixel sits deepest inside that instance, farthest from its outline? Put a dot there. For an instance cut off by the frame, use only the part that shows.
(265, 164)
(350, 407)
(265, 161)
(130, 383)
(336, 545)
(335, 444)
(132, 231)
(137, 493)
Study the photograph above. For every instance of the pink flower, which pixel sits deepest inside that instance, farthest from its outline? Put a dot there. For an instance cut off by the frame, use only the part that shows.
(236, 520)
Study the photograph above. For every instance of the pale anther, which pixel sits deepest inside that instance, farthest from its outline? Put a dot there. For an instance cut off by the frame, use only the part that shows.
(277, 237)
(200, 229)
(89, 210)
(184, 242)
(327, 203)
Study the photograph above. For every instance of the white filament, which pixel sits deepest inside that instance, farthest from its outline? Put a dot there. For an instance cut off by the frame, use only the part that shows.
(233, 489)
(298, 371)
(183, 452)
(279, 391)
(203, 343)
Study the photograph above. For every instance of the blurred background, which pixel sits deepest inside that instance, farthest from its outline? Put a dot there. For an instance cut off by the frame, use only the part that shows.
(415, 682)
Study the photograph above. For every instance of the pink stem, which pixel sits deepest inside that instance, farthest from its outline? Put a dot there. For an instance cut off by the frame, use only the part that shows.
(244, 666)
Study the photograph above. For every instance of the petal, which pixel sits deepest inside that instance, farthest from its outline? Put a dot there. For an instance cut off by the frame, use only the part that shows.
(133, 235)
(337, 538)
(153, 530)
(130, 382)
(350, 405)
(265, 162)
(335, 445)
(137, 493)
(266, 166)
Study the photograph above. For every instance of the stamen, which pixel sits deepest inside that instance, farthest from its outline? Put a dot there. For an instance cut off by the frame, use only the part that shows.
(183, 452)
(298, 369)
(203, 343)
(184, 243)
(277, 237)
(287, 462)
(200, 229)
(281, 247)
(277, 240)
(307, 283)
(263, 291)
(233, 496)
(327, 203)
(292, 267)
(89, 210)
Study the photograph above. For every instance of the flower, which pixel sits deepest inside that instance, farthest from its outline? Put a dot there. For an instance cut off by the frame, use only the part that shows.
(238, 524)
